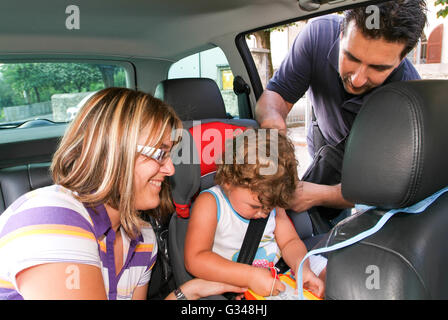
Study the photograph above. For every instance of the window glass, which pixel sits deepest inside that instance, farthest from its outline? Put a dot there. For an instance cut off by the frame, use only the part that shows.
(210, 64)
(33, 94)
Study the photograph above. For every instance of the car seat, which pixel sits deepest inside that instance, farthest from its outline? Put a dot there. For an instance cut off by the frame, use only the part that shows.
(396, 156)
(193, 175)
(18, 180)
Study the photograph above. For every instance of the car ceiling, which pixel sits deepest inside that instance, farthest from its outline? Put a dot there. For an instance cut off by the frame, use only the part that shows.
(165, 29)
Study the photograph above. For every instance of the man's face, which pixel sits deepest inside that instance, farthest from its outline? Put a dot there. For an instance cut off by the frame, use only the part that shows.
(366, 63)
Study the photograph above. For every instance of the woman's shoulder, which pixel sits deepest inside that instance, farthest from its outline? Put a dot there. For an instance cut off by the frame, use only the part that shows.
(48, 202)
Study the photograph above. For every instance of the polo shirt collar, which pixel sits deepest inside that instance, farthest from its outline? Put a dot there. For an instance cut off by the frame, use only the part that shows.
(100, 219)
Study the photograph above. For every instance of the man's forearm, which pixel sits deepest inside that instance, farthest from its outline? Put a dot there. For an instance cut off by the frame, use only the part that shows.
(332, 197)
(309, 195)
(271, 110)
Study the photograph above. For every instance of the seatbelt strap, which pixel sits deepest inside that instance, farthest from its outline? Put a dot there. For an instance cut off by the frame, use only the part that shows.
(250, 245)
(416, 208)
(252, 240)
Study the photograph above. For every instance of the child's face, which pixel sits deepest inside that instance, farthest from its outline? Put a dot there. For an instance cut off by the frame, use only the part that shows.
(246, 203)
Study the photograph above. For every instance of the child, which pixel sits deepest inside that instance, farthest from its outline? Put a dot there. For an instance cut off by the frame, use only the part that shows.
(244, 191)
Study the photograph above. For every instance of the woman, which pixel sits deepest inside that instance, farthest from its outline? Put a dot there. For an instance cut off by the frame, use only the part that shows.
(83, 238)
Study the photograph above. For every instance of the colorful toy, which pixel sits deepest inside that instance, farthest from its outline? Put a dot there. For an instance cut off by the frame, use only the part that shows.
(289, 293)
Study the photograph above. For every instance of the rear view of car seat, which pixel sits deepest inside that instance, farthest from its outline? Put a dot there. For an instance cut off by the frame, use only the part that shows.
(396, 156)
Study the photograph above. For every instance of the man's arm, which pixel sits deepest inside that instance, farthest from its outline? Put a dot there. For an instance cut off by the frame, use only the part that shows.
(309, 195)
(271, 110)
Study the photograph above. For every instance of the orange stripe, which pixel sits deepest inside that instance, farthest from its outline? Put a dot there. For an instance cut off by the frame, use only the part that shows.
(46, 229)
(144, 247)
(6, 284)
(102, 246)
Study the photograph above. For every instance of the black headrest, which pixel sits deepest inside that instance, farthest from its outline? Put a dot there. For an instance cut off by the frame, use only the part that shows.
(192, 98)
(397, 151)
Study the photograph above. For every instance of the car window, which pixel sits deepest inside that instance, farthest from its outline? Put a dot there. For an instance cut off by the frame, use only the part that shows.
(210, 64)
(268, 48)
(43, 93)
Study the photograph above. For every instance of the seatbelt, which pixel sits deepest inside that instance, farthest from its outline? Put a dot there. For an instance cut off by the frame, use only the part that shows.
(250, 245)
(416, 208)
(252, 240)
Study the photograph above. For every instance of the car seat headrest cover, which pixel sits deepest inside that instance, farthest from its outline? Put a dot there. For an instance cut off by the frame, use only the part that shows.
(396, 153)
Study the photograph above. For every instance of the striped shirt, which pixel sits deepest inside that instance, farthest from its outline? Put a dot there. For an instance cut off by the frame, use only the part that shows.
(50, 225)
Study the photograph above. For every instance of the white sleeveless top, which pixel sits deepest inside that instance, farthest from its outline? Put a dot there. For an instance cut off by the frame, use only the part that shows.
(231, 229)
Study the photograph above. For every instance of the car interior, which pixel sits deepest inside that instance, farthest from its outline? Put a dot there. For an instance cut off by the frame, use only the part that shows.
(395, 155)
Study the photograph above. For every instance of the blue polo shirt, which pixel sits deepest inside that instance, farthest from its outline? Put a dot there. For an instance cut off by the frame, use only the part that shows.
(313, 63)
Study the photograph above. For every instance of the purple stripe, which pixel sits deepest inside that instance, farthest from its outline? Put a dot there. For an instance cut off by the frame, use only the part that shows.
(45, 215)
(9, 294)
(141, 259)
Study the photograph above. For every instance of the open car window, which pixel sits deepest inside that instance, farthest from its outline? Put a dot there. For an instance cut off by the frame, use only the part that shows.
(42, 93)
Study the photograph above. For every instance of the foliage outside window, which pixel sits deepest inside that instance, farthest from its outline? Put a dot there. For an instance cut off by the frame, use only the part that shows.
(30, 91)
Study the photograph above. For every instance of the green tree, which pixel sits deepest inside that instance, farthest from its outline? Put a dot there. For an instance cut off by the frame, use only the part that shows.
(75, 76)
(27, 79)
(442, 12)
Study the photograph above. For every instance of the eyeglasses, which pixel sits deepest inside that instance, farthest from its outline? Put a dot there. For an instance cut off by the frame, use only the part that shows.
(157, 154)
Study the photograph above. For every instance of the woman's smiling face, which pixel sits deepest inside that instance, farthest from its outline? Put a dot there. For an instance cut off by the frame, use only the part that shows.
(149, 173)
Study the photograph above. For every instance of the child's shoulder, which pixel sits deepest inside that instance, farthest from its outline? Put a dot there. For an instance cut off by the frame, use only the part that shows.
(208, 197)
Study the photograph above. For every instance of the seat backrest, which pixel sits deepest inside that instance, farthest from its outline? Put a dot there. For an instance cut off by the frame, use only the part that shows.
(16, 181)
(192, 98)
(395, 157)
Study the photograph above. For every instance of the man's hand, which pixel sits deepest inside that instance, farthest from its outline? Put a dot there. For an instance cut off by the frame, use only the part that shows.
(308, 195)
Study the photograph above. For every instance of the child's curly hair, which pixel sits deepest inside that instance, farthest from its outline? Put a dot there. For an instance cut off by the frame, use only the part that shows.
(247, 158)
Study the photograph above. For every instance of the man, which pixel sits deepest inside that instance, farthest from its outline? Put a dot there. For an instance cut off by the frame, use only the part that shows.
(341, 60)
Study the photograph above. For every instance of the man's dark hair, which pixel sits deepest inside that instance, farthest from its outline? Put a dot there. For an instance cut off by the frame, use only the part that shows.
(400, 21)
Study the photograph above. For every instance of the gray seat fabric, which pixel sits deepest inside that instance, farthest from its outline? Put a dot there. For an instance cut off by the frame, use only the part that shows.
(395, 157)
(16, 181)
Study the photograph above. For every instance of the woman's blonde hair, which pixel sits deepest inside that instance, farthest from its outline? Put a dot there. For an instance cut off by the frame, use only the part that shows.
(96, 156)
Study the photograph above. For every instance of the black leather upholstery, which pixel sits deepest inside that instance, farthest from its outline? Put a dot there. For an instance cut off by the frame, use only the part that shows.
(192, 98)
(395, 156)
(16, 181)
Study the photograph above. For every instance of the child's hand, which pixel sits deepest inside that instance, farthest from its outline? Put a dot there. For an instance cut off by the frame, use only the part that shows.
(261, 280)
(313, 283)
